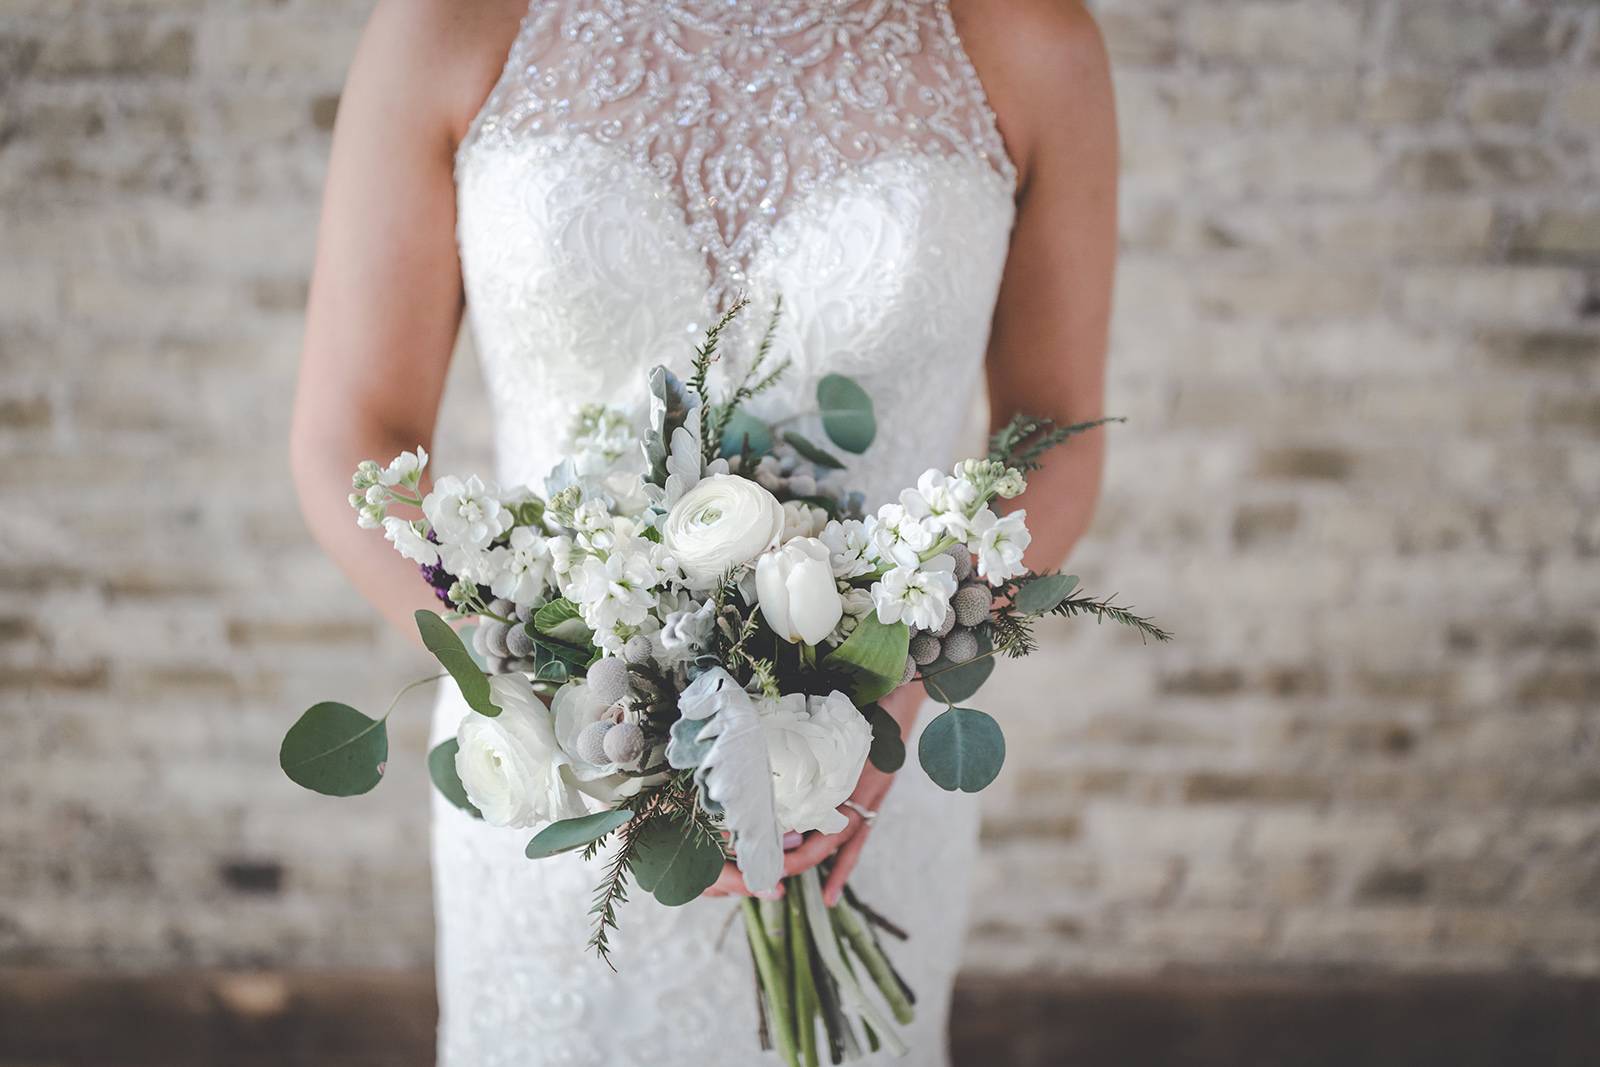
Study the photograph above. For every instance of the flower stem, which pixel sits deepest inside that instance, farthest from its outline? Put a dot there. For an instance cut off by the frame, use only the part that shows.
(805, 985)
(851, 995)
(871, 956)
(773, 981)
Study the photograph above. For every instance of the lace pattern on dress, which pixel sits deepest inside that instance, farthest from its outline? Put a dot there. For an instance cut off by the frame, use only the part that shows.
(738, 108)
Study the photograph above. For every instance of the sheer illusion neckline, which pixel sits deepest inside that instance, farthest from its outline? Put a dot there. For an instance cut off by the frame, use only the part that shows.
(740, 111)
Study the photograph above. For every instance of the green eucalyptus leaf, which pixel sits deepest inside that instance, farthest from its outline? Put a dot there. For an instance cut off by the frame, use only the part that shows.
(674, 862)
(561, 620)
(568, 834)
(962, 749)
(888, 752)
(454, 657)
(442, 769)
(820, 457)
(847, 416)
(335, 750)
(874, 655)
(742, 427)
(1044, 593)
(951, 683)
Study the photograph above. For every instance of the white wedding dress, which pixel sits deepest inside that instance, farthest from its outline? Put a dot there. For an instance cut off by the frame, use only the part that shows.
(637, 166)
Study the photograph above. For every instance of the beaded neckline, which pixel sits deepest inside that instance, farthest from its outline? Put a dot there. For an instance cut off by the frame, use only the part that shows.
(741, 109)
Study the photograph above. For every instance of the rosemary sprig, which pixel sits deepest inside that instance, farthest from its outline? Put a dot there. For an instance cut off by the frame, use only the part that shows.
(1022, 442)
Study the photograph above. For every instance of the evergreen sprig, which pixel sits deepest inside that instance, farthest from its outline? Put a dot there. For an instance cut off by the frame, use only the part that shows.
(755, 381)
(705, 354)
(1022, 442)
(1011, 632)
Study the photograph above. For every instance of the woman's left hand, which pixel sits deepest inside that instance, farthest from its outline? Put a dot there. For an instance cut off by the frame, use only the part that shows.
(846, 845)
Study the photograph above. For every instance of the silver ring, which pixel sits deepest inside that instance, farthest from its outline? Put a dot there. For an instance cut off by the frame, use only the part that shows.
(866, 813)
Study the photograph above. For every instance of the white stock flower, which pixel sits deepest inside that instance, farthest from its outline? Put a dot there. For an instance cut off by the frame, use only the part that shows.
(857, 605)
(801, 520)
(999, 543)
(722, 523)
(796, 591)
(917, 596)
(511, 766)
(947, 499)
(405, 469)
(466, 513)
(817, 747)
(409, 543)
(617, 589)
(900, 534)
(521, 569)
(849, 548)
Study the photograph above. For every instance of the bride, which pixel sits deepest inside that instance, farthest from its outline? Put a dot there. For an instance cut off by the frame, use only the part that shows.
(930, 187)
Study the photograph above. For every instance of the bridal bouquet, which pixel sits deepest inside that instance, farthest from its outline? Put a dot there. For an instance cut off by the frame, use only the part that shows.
(676, 652)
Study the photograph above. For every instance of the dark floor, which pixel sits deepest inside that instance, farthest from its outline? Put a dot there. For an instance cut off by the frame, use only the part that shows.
(56, 1019)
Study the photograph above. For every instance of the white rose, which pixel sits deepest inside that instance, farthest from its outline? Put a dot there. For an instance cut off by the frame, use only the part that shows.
(722, 523)
(796, 591)
(513, 770)
(817, 747)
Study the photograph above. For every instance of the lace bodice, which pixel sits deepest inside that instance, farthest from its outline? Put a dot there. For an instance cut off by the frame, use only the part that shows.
(637, 165)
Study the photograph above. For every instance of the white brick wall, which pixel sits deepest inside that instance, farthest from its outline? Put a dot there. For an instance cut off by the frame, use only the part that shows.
(1358, 337)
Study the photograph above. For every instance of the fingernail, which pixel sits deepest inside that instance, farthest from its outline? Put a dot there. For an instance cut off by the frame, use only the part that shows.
(793, 840)
(831, 899)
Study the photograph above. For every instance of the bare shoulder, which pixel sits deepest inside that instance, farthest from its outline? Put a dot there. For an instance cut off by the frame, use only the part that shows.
(1043, 64)
(441, 57)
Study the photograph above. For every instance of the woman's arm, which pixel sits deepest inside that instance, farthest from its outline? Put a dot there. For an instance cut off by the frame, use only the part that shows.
(1045, 70)
(1047, 347)
(386, 297)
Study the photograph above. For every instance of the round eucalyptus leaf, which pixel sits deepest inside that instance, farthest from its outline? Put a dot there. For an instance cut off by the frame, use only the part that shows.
(888, 752)
(335, 750)
(743, 427)
(847, 416)
(442, 769)
(962, 749)
(568, 834)
(821, 457)
(675, 863)
(1045, 593)
(951, 683)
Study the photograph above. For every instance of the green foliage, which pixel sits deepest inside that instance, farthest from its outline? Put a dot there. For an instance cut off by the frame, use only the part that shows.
(962, 749)
(952, 683)
(675, 862)
(442, 769)
(1023, 441)
(447, 648)
(888, 752)
(821, 457)
(1043, 593)
(559, 619)
(744, 431)
(569, 834)
(335, 750)
(847, 416)
(874, 656)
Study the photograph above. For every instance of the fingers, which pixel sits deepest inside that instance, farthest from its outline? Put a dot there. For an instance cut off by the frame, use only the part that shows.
(818, 847)
(730, 883)
(843, 864)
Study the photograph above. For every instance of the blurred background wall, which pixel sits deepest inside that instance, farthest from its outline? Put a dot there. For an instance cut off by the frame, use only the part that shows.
(1358, 342)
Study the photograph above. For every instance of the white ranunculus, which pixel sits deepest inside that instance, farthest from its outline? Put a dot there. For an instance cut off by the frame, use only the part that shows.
(722, 523)
(511, 766)
(796, 591)
(817, 747)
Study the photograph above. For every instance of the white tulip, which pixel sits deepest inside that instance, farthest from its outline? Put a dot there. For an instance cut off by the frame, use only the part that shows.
(511, 766)
(722, 523)
(796, 591)
(817, 747)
